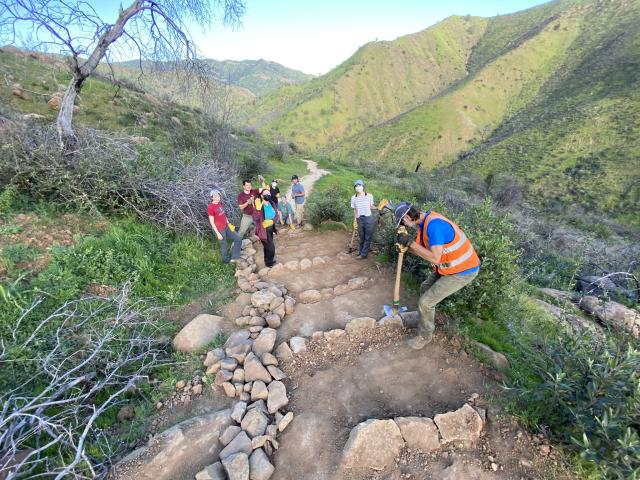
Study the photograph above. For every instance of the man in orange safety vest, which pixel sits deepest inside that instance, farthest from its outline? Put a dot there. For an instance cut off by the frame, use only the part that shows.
(443, 244)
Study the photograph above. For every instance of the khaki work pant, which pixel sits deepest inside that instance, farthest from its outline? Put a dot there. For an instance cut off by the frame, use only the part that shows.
(245, 224)
(299, 212)
(435, 289)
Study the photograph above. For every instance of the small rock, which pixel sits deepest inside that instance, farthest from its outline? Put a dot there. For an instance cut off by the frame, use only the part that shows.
(159, 405)
(229, 364)
(333, 335)
(269, 359)
(240, 443)
(494, 466)
(545, 449)
(238, 375)
(263, 272)
(254, 370)
(393, 321)
(305, 264)
(257, 442)
(260, 405)
(317, 336)
(360, 324)
(357, 283)
(259, 391)
(285, 421)
(212, 472)
(275, 303)
(260, 466)
(526, 463)
(229, 389)
(237, 338)
(291, 265)
(265, 342)
(342, 289)
(180, 384)
(316, 261)
(272, 430)
(244, 396)
(255, 331)
(254, 422)
(238, 411)
(276, 269)
(257, 322)
(283, 352)
(298, 345)
(277, 396)
(213, 369)
(196, 389)
(262, 298)
(280, 311)
(237, 466)
(310, 296)
(289, 305)
(213, 356)
(276, 373)
(223, 376)
(229, 434)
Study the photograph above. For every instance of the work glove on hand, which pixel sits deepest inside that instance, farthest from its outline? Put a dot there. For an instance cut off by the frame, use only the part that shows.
(405, 239)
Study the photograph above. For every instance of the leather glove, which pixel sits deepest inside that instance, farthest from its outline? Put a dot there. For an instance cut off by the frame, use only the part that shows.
(405, 239)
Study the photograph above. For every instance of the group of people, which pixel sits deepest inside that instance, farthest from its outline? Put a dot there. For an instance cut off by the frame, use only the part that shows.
(263, 209)
(439, 241)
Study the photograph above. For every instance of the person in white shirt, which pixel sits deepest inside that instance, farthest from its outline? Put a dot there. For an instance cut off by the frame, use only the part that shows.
(362, 202)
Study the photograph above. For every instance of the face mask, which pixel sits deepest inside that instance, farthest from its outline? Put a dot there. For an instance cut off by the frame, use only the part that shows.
(274, 184)
(266, 198)
(359, 188)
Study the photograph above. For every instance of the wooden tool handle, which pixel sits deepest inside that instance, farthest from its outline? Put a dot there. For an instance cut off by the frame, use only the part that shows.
(396, 290)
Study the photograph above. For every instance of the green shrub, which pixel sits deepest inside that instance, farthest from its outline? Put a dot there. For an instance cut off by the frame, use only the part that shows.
(7, 199)
(330, 204)
(590, 398)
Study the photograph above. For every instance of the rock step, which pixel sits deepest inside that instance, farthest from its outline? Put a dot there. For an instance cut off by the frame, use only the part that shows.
(306, 264)
(375, 444)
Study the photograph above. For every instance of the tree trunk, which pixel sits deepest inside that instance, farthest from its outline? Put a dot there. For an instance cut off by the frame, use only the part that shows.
(68, 139)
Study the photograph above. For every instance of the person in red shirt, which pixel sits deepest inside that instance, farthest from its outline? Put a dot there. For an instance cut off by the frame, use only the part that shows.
(222, 229)
(245, 202)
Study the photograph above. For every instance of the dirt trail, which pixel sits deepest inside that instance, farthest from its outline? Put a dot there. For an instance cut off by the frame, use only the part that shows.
(311, 178)
(337, 385)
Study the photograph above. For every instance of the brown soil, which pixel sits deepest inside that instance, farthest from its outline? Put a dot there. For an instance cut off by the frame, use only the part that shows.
(335, 386)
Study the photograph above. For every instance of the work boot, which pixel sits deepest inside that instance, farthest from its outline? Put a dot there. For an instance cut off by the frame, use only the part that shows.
(418, 342)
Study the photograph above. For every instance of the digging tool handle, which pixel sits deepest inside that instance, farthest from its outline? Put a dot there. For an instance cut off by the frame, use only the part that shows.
(396, 290)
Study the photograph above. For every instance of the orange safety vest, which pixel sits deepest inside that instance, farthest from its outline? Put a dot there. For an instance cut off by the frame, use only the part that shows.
(458, 255)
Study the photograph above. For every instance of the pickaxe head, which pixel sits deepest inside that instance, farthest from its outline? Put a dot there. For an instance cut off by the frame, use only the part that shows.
(385, 205)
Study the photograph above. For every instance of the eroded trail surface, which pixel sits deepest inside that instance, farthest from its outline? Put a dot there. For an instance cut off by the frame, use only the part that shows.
(339, 382)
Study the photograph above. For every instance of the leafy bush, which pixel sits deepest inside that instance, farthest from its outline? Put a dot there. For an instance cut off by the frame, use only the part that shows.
(330, 204)
(590, 399)
(7, 198)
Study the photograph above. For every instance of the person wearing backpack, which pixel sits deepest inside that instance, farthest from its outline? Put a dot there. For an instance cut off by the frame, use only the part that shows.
(265, 225)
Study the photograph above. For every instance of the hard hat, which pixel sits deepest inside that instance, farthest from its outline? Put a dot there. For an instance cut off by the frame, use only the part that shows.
(401, 210)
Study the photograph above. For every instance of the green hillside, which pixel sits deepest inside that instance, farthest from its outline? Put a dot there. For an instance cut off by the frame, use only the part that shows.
(380, 81)
(444, 126)
(258, 76)
(578, 142)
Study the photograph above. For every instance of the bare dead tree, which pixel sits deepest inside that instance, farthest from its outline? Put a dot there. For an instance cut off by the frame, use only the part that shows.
(100, 349)
(155, 30)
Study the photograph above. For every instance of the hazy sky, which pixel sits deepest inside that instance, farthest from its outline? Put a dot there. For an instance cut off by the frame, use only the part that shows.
(315, 36)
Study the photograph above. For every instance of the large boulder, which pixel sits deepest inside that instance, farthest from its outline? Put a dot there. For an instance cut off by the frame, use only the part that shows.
(464, 424)
(183, 449)
(262, 298)
(212, 472)
(255, 422)
(419, 433)
(373, 444)
(361, 324)
(277, 396)
(198, 333)
(497, 359)
(613, 314)
(240, 443)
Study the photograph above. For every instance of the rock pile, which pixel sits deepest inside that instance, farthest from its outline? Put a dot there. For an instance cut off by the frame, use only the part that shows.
(376, 444)
(247, 369)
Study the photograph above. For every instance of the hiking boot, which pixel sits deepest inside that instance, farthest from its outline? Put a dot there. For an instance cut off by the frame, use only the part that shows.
(234, 260)
(360, 257)
(418, 342)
